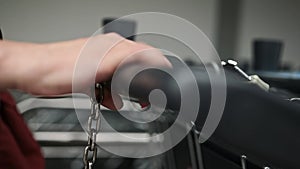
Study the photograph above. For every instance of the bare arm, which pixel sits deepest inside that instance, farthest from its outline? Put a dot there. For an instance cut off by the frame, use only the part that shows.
(25, 66)
(47, 69)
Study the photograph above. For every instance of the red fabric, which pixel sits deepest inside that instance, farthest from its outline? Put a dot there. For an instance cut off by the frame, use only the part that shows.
(18, 149)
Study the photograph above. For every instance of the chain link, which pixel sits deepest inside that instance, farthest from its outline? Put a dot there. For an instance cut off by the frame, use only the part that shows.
(90, 151)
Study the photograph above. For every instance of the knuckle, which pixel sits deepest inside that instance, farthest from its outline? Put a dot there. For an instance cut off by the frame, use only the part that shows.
(113, 35)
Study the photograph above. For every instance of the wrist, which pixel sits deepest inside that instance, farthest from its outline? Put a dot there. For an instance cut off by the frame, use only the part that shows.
(53, 67)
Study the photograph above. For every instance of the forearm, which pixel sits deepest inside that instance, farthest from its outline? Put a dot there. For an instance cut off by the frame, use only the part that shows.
(38, 68)
(47, 69)
(13, 56)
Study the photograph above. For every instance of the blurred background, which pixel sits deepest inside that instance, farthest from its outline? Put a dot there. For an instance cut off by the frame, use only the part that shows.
(231, 25)
(263, 36)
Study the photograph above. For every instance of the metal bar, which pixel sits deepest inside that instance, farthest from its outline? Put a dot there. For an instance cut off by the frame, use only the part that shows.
(106, 137)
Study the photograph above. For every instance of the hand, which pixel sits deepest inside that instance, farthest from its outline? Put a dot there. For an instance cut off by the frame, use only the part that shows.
(48, 69)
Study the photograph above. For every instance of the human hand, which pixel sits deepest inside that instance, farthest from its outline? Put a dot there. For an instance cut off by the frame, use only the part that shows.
(53, 68)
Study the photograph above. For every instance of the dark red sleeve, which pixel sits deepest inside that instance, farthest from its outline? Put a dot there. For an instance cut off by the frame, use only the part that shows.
(18, 149)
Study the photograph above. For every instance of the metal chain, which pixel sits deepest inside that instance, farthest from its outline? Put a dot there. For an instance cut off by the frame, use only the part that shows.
(90, 151)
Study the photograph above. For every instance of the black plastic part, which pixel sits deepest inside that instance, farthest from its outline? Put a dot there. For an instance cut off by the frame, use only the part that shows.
(125, 28)
(267, 54)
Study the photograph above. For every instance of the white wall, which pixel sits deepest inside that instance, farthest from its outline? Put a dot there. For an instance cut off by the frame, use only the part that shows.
(274, 19)
(46, 21)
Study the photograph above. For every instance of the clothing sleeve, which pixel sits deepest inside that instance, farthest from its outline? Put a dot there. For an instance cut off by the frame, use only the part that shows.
(18, 149)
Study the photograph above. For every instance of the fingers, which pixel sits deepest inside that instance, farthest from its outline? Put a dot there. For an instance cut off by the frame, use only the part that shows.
(115, 52)
(128, 52)
(111, 100)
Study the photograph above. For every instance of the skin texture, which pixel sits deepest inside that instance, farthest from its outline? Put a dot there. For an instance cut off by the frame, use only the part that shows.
(51, 69)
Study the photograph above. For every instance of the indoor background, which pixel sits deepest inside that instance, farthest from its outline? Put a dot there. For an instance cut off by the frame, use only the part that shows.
(231, 25)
